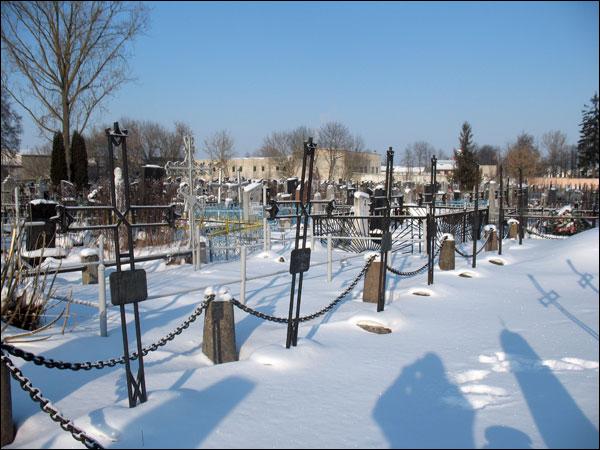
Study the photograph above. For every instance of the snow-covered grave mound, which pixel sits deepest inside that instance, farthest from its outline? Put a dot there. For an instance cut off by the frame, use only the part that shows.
(507, 358)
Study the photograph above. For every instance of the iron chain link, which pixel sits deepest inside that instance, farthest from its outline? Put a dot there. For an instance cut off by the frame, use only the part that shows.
(544, 235)
(420, 269)
(46, 406)
(331, 305)
(88, 365)
(477, 252)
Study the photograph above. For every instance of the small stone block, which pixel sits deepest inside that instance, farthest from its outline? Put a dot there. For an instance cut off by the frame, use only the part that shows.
(447, 257)
(219, 333)
(371, 287)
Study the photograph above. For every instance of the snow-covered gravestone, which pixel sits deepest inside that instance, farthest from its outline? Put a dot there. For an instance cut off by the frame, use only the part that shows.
(361, 209)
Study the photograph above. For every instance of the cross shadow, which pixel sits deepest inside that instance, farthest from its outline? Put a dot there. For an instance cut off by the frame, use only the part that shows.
(585, 278)
(423, 409)
(551, 298)
(185, 419)
(506, 437)
(558, 418)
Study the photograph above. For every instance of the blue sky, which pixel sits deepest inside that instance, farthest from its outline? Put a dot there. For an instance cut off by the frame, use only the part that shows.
(394, 73)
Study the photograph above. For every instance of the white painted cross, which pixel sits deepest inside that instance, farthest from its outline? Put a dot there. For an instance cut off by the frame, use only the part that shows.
(189, 169)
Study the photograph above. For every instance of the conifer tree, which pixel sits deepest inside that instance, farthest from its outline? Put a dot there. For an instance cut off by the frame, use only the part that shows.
(79, 161)
(465, 171)
(588, 147)
(58, 162)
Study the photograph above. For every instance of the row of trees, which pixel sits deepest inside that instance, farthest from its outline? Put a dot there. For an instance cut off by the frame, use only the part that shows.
(333, 138)
(78, 161)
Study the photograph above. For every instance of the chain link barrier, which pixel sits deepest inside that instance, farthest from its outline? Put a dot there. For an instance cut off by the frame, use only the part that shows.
(331, 305)
(456, 249)
(87, 365)
(46, 406)
(544, 235)
(420, 269)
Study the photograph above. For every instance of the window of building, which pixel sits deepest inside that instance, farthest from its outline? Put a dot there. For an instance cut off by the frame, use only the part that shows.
(263, 168)
(277, 168)
(254, 169)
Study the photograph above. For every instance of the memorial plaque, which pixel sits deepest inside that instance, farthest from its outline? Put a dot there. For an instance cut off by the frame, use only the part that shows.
(300, 260)
(129, 286)
(386, 242)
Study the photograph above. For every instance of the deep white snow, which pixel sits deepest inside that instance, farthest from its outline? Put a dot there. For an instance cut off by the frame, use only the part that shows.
(507, 358)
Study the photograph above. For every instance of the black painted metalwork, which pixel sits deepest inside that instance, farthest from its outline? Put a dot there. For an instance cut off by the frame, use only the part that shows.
(431, 222)
(501, 213)
(476, 231)
(386, 241)
(521, 206)
(298, 262)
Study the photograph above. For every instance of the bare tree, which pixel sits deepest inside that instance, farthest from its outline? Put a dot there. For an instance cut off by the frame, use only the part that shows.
(408, 161)
(69, 56)
(286, 147)
(147, 142)
(422, 152)
(219, 148)
(557, 150)
(334, 138)
(354, 160)
(523, 154)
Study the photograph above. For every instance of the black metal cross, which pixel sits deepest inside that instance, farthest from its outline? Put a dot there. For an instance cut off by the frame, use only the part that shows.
(300, 257)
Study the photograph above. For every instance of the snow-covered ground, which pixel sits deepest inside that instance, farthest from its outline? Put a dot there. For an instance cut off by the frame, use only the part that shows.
(507, 358)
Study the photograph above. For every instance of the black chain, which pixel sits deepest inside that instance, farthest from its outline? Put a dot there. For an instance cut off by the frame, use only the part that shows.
(477, 252)
(64, 365)
(545, 236)
(46, 406)
(338, 299)
(420, 269)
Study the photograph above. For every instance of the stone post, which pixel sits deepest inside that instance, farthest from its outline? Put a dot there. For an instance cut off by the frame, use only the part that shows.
(371, 286)
(89, 273)
(491, 245)
(513, 229)
(447, 254)
(7, 427)
(219, 330)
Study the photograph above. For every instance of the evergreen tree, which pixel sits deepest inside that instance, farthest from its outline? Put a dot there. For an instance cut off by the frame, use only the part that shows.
(465, 172)
(58, 163)
(588, 147)
(79, 161)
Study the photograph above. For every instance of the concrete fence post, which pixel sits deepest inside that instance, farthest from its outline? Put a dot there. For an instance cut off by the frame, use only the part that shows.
(218, 342)
(447, 257)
